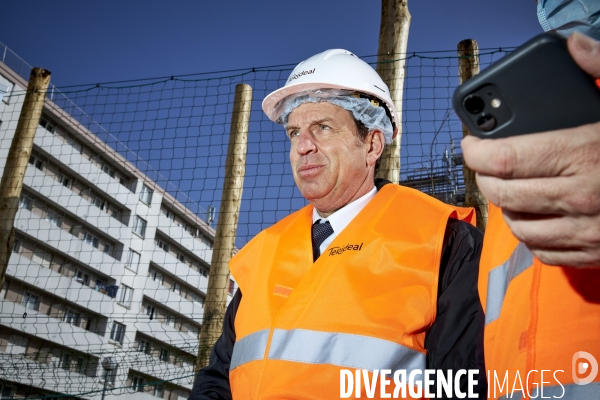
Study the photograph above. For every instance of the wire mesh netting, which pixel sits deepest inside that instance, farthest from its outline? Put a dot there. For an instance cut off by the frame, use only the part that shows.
(116, 222)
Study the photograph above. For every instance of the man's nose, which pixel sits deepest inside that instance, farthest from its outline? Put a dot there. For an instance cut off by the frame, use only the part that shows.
(306, 144)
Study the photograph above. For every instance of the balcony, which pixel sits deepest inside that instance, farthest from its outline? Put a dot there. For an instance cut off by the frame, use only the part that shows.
(25, 270)
(66, 243)
(73, 159)
(168, 335)
(146, 364)
(173, 301)
(182, 271)
(181, 236)
(77, 205)
(48, 377)
(40, 325)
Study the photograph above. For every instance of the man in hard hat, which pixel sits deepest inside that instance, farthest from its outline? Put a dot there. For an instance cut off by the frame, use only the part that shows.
(369, 276)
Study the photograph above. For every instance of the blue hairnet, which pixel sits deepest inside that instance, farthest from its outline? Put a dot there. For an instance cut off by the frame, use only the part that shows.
(373, 116)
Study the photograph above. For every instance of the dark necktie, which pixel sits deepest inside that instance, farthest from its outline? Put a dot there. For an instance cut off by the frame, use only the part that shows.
(320, 232)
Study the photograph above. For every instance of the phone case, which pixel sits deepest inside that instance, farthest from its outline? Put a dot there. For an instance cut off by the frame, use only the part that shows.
(537, 88)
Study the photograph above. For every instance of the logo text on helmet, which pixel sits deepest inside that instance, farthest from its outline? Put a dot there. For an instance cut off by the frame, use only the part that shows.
(299, 74)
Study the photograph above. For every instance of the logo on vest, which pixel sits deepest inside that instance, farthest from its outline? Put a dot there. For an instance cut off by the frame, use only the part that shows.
(334, 251)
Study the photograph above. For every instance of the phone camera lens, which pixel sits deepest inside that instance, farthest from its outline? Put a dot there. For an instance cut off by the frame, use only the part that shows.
(486, 122)
(474, 104)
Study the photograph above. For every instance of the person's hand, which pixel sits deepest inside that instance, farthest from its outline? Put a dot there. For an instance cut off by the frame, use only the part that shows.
(548, 184)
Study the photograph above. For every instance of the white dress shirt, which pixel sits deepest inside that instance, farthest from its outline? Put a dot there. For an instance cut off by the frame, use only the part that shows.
(342, 217)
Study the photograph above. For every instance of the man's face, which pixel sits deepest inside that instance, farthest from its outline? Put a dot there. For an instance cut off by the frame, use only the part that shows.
(330, 163)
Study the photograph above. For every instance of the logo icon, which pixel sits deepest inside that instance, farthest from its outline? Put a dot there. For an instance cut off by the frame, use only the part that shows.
(580, 367)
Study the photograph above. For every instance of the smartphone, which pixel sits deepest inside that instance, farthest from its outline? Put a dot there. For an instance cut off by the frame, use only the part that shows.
(536, 88)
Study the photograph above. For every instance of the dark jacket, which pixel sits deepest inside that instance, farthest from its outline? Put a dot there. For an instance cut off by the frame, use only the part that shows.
(454, 341)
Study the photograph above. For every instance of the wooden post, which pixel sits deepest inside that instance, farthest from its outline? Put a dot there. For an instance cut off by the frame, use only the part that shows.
(218, 280)
(17, 159)
(468, 66)
(393, 39)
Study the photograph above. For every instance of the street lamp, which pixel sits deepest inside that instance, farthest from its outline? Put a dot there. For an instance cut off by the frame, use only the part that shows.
(108, 364)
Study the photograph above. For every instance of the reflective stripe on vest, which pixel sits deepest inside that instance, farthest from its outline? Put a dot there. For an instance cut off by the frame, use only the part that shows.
(565, 392)
(500, 277)
(314, 347)
(249, 348)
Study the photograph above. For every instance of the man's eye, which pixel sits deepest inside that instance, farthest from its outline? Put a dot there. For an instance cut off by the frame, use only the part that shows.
(325, 127)
(293, 133)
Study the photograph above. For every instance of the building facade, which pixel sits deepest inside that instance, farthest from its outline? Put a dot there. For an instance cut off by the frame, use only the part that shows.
(105, 264)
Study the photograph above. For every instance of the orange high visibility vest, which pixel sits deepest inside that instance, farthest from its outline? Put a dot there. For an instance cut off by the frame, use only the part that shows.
(537, 318)
(366, 303)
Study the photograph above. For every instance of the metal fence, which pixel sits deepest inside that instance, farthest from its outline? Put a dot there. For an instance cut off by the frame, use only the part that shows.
(116, 222)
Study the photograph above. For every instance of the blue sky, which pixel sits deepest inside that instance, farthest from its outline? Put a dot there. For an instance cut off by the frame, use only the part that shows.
(99, 41)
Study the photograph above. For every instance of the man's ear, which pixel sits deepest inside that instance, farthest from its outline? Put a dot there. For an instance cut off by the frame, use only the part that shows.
(375, 143)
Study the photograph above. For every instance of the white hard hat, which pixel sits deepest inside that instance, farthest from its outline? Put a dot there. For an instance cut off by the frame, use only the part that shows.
(332, 69)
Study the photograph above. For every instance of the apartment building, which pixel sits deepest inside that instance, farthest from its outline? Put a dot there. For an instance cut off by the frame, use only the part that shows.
(105, 263)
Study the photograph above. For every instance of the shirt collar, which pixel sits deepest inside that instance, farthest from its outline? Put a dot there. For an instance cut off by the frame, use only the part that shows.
(342, 217)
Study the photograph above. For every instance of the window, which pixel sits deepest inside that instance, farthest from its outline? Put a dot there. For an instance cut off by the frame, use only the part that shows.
(150, 311)
(115, 213)
(164, 355)
(72, 317)
(48, 125)
(162, 245)
(133, 260)
(125, 294)
(203, 272)
(80, 365)
(65, 361)
(54, 218)
(6, 392)
(100, 203)
(100, 283)
(82, 277)
(144, 346)
(159, 391)
(65, 180)
(176, 288)
(137, 383)
(31, 301)
(231, 287)
(169, 320)
(108, 170)
(117, 332)
(110, 376)
(139, 226)
(169, 214)
(87, 325)
(90, 239)
(192, 231)
(16, 245)
(157, 276)
(146, 194)
(25, 202)
(107, 248)
(36, 162)
(181, 257)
